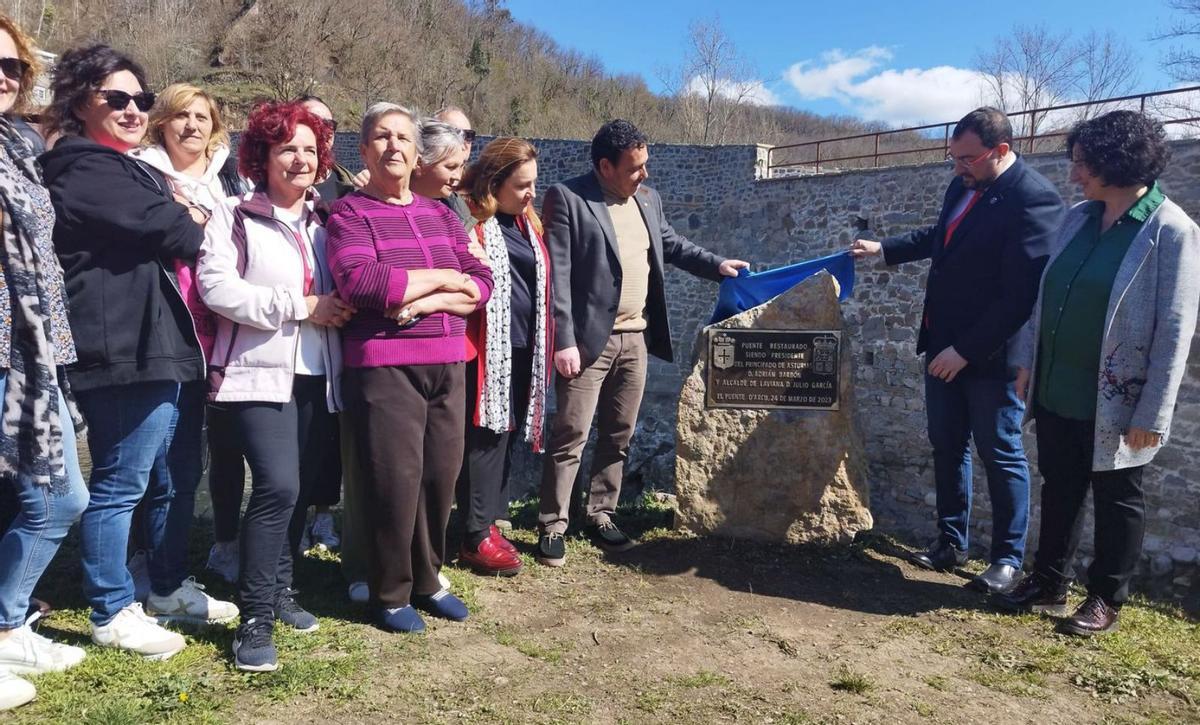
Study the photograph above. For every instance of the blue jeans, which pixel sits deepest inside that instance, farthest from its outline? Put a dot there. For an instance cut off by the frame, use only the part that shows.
(986, 409)
(171, 499)
(129, 434)
(43, 522)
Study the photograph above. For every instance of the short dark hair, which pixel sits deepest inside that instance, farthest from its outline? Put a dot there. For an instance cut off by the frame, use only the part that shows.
(76, 74)
(1123, 148)
(614, 138)
(989, 124)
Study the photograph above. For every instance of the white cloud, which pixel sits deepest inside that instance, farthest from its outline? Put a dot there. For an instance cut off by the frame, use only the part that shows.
(904, 97)
(837, 72)
(752, 92)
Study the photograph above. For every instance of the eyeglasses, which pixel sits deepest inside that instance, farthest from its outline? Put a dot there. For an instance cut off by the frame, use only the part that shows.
(330, 123)
(468, 135)
(14, 68)
(119, 100)
(966, 160)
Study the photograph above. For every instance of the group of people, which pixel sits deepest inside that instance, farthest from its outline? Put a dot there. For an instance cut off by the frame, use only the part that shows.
(1079, 319)
(385, 336)
(382, 337)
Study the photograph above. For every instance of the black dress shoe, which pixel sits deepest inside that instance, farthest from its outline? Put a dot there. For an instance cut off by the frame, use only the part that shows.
(1036, 594)
(996, 579)
(942, 556)
(1094, 616)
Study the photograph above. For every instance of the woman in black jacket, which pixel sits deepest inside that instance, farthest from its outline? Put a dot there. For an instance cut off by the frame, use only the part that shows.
(117, 235)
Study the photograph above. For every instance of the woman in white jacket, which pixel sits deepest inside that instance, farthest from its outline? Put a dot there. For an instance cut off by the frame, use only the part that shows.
(277, 356)
(189, 145)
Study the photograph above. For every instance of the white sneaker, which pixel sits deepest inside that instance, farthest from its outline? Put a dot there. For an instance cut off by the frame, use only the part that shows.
(132, 630)
(359, 592)
(444, 581)
(223, 560)
(25, 652)
(322, 533)
(14, 692)
(189, 604)
(139, 569)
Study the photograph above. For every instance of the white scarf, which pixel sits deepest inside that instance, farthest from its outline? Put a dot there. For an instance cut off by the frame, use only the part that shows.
(495, 411)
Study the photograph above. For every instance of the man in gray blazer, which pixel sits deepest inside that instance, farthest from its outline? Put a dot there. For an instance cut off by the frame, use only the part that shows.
(608, 241)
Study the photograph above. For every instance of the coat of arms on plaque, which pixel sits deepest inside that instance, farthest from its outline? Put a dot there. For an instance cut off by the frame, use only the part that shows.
(722, 352)
(825, 355)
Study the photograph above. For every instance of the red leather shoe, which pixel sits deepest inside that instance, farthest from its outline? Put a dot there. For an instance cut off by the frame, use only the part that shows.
(502, 542)
(490, 559)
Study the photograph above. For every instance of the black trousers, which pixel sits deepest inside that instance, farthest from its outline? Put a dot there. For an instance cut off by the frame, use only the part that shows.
(1065, 460)
(285, 445)
(226, 472)
(482, 490)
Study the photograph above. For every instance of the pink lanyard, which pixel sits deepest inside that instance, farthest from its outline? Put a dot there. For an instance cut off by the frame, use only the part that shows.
(308, 273)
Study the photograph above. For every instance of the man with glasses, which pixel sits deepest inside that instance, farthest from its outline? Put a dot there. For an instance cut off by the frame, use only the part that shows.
(988, 247)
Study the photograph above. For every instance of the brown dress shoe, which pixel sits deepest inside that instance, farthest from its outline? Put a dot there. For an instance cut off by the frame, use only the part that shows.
(1094, 616)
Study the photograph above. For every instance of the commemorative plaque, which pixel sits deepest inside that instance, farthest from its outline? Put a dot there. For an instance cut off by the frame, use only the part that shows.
(790, 369)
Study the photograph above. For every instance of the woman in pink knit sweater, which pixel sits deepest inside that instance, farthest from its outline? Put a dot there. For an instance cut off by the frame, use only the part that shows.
(402, 261)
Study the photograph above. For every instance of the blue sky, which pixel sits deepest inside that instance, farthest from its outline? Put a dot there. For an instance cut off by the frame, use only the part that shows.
(899, 62)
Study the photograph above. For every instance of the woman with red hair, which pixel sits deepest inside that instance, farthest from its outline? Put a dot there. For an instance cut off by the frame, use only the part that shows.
(277, 356)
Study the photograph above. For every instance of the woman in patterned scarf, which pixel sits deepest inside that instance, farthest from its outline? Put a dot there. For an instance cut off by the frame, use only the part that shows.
(507, 380)
(38, 459)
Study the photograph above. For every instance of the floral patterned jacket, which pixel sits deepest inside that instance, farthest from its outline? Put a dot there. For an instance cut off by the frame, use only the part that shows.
(1148, 332)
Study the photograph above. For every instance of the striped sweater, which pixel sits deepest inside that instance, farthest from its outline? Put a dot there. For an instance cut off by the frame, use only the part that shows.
(371, 246)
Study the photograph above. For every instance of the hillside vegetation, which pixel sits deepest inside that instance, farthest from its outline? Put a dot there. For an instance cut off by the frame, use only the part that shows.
(510, 77)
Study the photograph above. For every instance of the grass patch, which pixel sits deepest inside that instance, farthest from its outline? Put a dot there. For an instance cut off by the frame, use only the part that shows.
(848, 680)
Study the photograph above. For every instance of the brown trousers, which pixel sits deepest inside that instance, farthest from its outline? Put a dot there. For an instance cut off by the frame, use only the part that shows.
(409, 423)
(613, 387)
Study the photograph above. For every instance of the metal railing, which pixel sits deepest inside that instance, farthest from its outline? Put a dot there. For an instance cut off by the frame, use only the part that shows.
(867, 146)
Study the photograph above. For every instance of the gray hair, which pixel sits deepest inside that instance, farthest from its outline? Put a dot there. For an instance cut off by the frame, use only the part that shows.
(439, 140)
(377, 111)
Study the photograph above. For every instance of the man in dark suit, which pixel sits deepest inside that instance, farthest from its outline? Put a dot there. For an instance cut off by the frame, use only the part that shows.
(988, 248)
(609, 241)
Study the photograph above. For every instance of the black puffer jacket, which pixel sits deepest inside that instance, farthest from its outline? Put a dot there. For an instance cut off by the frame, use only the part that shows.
(117, 233)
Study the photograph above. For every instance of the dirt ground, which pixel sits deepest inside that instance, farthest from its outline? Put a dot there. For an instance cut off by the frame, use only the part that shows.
(678, 630)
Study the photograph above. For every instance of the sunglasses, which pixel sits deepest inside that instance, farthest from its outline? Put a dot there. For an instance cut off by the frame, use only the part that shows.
(119, 100)
(331, 124)
(468, 135)
(14, 68)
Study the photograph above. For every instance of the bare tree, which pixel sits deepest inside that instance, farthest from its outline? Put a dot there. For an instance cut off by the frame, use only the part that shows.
(1182, 60)
(1033, 67)
(1030, 67)
(1107, 66)
(713, 83)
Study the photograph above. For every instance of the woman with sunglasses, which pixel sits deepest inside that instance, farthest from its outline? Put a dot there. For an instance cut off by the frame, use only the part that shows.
(277, 357)
(118, 233)
(40, 467)
(189, 146)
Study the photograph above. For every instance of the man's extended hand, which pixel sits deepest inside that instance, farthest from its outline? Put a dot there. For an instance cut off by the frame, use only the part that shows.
(947, 365)
(567, 362)
(730, 267)
(865, 248)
